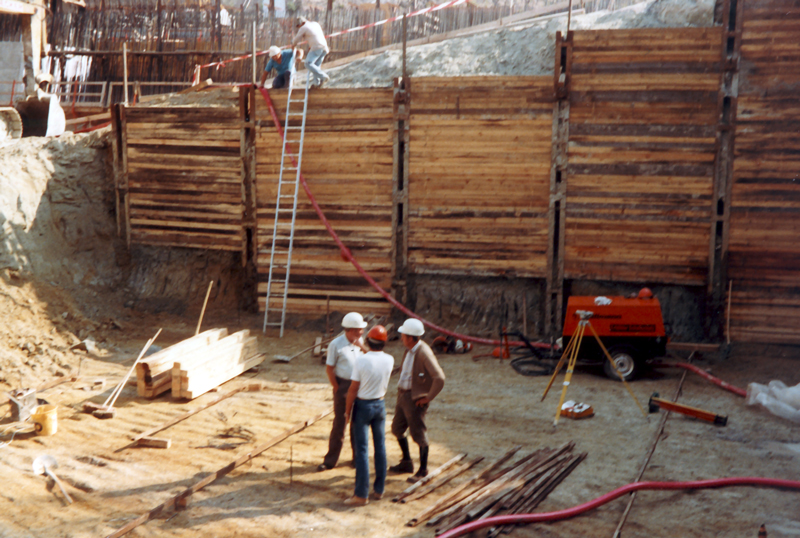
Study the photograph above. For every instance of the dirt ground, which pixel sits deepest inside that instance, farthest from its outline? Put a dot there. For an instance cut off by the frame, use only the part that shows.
(485, 409)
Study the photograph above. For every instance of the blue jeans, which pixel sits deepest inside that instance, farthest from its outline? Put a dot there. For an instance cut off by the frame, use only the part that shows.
(313, 63)
(369, 414)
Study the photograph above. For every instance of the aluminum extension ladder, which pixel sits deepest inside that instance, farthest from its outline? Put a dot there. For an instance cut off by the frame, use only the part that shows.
(280, 260)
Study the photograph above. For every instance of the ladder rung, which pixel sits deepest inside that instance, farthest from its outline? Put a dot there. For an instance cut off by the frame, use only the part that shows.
(292, 128)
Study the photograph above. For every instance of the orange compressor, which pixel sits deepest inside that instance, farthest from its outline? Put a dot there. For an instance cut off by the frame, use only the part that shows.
(631, 329)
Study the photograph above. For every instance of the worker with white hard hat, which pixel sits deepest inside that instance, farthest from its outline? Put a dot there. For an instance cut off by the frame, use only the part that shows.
(312, 32)
(342, 354)
(421, 379)
(282, 61)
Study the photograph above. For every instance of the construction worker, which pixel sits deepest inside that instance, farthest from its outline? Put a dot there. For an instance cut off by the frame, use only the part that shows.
(342, 353)
(317, 48)
(366, 411)
(421, 379)
(282, 61)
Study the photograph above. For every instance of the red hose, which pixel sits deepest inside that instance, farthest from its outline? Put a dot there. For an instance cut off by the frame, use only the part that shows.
(349, 256)
(619, 492)
(703, 373)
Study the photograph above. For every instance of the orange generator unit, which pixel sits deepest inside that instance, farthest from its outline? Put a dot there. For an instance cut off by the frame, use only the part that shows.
(631, 329)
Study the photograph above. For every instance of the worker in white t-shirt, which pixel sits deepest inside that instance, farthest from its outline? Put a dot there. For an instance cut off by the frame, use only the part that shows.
(317, 48)
(366, 409)
(342, 353)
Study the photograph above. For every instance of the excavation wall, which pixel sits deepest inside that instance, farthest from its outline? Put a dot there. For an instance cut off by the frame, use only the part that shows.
(626, 168)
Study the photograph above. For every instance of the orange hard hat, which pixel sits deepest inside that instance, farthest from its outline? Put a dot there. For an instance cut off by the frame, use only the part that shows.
(378, 333)
(645, 293)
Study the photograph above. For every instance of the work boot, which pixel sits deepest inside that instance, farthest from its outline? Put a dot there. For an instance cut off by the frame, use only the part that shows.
(423, 465)
(405, 466)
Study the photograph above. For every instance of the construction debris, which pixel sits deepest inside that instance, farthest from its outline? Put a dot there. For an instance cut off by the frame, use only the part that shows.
(517, 488)
(182, 497)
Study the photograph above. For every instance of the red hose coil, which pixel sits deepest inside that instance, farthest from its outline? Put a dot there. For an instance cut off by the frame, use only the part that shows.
(349, 256)
(619, 492)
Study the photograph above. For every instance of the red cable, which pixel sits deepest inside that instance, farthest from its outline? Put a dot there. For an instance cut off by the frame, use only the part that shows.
(703, 373)
(619, 492)
(93, 128)
(349, 256)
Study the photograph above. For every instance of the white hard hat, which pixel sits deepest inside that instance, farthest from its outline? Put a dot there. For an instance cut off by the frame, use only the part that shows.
(412, 327)
(44, 77)
(274, 51)
(353, 320)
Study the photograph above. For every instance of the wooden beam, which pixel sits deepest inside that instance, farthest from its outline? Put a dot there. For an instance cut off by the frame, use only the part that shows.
(197, 486)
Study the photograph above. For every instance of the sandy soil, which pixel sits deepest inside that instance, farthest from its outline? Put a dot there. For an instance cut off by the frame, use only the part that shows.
(485, 409)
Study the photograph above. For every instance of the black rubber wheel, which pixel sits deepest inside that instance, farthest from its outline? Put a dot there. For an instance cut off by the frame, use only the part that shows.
(626, 359)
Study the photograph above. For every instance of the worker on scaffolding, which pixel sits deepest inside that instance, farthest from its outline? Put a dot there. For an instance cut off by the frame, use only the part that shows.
(317, 48)
(282, 61)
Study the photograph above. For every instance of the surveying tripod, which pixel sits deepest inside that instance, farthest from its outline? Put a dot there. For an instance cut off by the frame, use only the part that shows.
(570, 355)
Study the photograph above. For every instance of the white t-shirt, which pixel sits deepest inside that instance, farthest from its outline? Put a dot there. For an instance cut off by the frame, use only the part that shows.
(372, 370)
(312, 32)
(342, 354)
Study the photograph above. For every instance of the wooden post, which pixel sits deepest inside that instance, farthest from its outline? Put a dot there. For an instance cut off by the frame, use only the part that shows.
(405, 39)
(255, 80)
(720, 210)
(558, 189)
(218, 11)
(125, 72)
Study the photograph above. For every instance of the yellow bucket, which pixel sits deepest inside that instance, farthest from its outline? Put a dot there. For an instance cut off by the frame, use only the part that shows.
(45, 419)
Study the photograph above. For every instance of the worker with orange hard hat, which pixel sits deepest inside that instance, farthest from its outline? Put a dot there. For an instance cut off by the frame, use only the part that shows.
(342, 354)
(366, 411)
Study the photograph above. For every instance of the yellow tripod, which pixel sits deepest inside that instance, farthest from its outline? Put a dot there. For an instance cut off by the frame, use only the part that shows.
(570, 354)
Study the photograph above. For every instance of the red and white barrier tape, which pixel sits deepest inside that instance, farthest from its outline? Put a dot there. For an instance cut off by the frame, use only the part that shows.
(423, 11)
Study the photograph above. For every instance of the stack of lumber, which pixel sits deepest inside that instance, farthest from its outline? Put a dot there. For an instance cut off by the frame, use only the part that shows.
(154, 373)
(184, 173)
(643, 109)
(198, 364)
(516, 488)
(209, 367)
(348, 164)
(764, 253)
(479, 175)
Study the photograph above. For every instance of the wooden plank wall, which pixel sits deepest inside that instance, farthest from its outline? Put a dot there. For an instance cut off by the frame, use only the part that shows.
(184, 173)
(479, 175)
(642, 132)
(764, 250)
(347, 161)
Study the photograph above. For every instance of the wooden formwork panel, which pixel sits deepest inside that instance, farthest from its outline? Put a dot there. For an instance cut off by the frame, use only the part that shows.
(185, 177)
(641, 153)
(764, 253)
(479, 175)
(347, 162)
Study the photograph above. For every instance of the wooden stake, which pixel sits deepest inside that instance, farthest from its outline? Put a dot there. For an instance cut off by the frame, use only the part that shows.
(169, 503)
(154, 442)
(202, 312)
